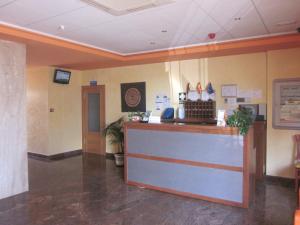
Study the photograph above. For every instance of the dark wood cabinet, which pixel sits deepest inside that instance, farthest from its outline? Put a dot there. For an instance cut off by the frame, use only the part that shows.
(260, 143)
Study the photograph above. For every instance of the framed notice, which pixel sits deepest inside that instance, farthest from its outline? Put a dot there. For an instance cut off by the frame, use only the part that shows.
(229, 90)
(133, 97)
(286, 104)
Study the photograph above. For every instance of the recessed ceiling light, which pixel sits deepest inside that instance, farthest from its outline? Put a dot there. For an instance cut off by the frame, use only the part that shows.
(285, 23)
(152, 43)
(237, 18)
(61, 27)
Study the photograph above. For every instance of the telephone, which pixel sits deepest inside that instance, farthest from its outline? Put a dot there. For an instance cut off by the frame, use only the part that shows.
(168, 114)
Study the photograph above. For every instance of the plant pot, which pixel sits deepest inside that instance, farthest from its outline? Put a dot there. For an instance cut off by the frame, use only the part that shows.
(119, 159)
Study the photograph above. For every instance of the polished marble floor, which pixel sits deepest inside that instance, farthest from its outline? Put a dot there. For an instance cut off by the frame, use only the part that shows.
(89, 190)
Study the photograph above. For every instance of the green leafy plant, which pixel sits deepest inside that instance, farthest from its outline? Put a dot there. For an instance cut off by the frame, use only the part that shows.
(132, 114)
(115, 132)
(241, 118)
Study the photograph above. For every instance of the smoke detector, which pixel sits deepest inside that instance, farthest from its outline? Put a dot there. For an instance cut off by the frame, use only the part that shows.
(211, 36)
(118, 8)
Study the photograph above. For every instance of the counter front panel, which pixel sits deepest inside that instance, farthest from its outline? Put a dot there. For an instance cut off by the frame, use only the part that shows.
(209, 182)
(199, 147)
(205, 162)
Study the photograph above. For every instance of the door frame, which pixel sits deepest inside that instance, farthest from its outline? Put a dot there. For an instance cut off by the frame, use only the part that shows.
(101, 90)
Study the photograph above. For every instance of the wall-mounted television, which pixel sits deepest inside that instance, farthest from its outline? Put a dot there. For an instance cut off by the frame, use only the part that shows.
(62, 76)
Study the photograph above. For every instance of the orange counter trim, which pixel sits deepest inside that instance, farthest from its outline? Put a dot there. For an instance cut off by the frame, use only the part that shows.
(173, 127)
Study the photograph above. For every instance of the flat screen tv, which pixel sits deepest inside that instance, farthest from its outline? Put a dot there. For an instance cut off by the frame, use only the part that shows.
(62, 76)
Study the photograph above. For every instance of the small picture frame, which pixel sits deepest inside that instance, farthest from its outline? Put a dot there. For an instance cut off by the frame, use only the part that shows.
(286, 104)
(133, 97)
(229, 90)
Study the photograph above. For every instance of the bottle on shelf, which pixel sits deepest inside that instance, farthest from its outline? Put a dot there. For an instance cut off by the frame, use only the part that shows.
(181, 113)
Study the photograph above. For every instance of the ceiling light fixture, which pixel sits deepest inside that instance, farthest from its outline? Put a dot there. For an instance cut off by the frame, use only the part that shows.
(61, 27)
(164, 31)
(237, 18)
(118, 8)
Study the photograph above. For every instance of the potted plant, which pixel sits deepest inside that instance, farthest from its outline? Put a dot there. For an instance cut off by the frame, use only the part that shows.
(241, 118)
(135, 116)
(115, 132)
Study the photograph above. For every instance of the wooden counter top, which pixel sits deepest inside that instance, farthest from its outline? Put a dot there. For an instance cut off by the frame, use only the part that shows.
(179, 127)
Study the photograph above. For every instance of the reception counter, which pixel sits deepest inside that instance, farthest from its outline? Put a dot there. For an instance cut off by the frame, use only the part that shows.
(205, 162)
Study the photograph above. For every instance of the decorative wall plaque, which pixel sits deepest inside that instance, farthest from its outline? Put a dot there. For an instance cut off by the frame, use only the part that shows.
(133, 97)
(286, 104)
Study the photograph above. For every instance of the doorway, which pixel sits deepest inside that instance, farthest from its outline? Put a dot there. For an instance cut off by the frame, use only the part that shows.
(93, 119)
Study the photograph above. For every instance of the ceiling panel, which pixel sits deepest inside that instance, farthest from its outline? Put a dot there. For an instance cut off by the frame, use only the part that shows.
(224, 11)
(86, 36)
(6, 2)
(155, 26)
(137, 42)
(51, 7)
(185, 22)
(250, 23)
(119, 35)
(207, 25)
(186, 17)
(52, 26)
(279, 11)
(86, 17)
(15, 13)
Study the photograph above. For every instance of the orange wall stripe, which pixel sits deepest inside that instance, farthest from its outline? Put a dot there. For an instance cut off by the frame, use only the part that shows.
(235, 47)
(32, 36)
(107, 59)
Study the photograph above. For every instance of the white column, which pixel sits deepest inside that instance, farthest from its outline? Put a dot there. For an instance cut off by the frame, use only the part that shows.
(13, 154)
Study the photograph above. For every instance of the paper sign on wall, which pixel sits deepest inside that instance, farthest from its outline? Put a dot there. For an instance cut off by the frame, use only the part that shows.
(230, 101)
(162, 102)
(257, 94)
(229, 90)
(221, 118)
(244, 93)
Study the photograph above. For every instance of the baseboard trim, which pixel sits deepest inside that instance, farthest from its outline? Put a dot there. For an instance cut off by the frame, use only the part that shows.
(283, 181)
(55, 157)
(110, 156)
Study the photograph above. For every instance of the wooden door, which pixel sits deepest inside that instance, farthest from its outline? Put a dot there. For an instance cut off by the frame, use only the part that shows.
(93, 119)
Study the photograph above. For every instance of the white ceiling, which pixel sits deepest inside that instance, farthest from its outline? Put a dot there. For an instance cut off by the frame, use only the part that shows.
(187, 22)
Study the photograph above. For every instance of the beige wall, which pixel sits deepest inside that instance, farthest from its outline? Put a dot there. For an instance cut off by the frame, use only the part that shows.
(155, 75)
(171, 78)
(13, 154)
(248, 71)
(65, 121)
(59, 131)
(37, 110)
(280, 154)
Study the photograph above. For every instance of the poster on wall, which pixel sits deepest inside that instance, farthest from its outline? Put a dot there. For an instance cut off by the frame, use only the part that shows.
(162, 101)
(133, 97)
(229, 90)
(286, 104)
